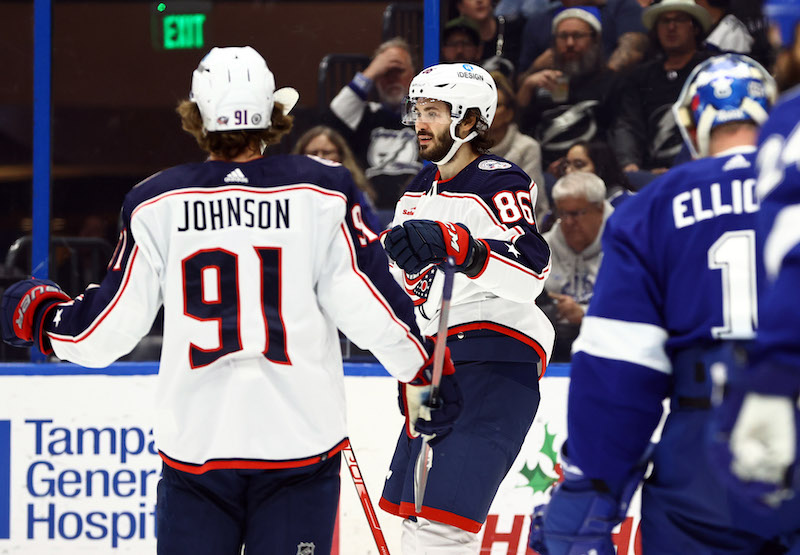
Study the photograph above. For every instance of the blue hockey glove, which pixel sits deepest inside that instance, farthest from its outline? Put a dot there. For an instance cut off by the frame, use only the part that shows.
(24, 309)
(582, 513)
(754, 432)
(421, 417)
(419, 243)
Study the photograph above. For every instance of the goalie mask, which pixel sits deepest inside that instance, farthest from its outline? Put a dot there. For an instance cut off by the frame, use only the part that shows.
(723, 89)
(235, 90)
(461, 86)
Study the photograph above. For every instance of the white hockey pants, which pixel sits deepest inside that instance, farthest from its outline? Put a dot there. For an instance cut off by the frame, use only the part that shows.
(428, 537)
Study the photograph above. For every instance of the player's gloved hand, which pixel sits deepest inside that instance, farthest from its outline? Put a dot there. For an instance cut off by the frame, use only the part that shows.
(25, 306)
(418, 243)
(755, 429)
(421, 417)
(582, 513)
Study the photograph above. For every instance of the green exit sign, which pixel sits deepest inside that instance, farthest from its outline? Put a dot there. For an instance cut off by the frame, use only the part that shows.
(183, 31)
(179, 24)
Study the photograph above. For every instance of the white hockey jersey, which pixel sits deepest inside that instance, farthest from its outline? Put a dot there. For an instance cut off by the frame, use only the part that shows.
(494, 313)
(256, 265)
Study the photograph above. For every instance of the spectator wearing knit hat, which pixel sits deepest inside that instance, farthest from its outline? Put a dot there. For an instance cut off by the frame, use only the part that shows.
(573, 99)
(623, 37)
(645, 136)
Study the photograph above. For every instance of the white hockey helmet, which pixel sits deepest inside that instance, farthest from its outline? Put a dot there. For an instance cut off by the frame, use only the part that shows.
(722, 89)
(461, 86)
(235, 90)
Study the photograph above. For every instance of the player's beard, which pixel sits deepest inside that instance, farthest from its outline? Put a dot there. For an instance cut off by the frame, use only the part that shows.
(436, 149)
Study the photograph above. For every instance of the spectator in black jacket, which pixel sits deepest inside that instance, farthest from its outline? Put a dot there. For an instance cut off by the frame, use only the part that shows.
(375, 132)
(501, 36)
(572, 100)
(645, 136)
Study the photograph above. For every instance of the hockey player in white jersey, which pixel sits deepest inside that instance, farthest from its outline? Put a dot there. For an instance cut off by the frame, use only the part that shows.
(757, 441)
(256, 261)
(479, 209)
(678, 284)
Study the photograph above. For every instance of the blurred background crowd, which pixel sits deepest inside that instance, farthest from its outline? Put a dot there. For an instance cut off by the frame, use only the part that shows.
(585, 90)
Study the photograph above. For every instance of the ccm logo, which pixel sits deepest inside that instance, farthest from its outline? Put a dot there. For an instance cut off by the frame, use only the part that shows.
(453, 232)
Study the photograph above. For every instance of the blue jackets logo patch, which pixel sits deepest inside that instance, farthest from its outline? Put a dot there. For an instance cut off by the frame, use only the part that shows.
(489, 165)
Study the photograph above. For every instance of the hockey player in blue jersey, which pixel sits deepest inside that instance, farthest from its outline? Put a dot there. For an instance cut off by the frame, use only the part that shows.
(679, 281)
(479, 209)
(756, 443)
(256, 261)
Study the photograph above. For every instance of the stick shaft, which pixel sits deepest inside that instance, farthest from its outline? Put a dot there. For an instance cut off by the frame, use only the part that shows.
(363, 495)
(425, 457)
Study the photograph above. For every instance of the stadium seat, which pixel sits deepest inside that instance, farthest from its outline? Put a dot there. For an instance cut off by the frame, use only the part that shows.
(404, 19)
(335, 71)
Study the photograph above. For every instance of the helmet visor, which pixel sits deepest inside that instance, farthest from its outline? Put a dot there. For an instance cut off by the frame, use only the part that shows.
(426, 110)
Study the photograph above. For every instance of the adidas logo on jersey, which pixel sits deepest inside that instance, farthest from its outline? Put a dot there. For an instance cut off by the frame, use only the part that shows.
(236, 176)
(735, 163)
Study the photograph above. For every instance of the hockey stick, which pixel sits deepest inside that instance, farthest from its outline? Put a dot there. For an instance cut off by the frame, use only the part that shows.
(363, 495)
(425, 458)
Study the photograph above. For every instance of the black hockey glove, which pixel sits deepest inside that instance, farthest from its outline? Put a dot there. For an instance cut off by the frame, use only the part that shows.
(419, 243)
(24, 310)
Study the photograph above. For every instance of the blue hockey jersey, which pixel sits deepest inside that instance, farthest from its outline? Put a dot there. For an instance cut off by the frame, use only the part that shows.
(779, 230)
(256, 265)
(678, 273)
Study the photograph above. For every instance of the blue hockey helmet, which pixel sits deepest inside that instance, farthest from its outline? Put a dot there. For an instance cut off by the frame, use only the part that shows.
(786, 15)
(722, 89)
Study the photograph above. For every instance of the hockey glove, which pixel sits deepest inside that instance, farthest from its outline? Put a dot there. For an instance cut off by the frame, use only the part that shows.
(582, 513)
(419, 243)
(421, 417)
(754, 431)
(25, 307)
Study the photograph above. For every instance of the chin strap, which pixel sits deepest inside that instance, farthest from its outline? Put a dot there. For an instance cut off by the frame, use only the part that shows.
(456, 143)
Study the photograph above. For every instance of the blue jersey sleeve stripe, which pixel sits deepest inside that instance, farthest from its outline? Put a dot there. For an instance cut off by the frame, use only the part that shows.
(633, 342)
(783, 237)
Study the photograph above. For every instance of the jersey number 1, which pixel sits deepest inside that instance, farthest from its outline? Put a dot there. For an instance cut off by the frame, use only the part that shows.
(735, 254)
(203, 301)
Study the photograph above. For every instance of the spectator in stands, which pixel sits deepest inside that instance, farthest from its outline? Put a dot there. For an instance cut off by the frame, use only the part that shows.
(324, 142)
(728, 33)
(383, 145)
(572, 100)
(461, 41)
(515, 147)
(501, 36)
(522, 8)
(575, 253)
(645, 136)
(598, 157)
(623, 39)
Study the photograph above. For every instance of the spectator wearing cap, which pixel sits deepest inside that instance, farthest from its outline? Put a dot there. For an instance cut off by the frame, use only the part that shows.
(501, 35)
(645, 136)
(623, 37)
(572, 100)
(728, 33)
(511, 144)
(461, 41)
